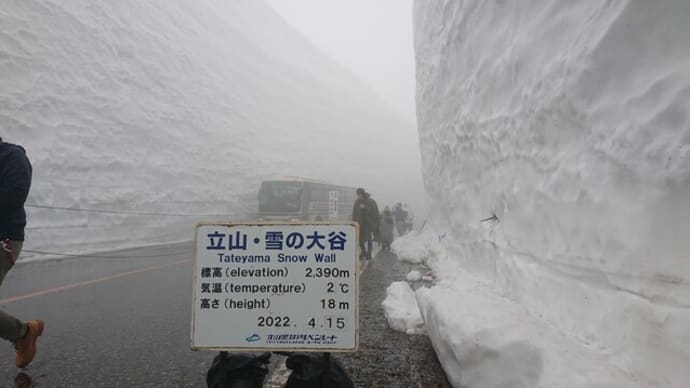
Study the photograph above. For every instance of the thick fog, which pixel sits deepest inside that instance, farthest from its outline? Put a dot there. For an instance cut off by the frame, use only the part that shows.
(182, 107)
(372, 38)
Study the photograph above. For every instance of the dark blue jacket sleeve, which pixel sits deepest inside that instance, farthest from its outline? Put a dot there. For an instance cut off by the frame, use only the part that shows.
(15, 180)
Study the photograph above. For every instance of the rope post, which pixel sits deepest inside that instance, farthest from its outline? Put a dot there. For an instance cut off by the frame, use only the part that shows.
(326, 372)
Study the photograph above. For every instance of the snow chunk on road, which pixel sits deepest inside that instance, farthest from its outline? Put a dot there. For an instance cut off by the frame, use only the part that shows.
(413, 247)
(402, 311)
(414, 276)
(486, 341)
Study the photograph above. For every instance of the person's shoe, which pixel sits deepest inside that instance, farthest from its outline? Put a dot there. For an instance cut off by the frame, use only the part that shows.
(26, 347)
(23, 381)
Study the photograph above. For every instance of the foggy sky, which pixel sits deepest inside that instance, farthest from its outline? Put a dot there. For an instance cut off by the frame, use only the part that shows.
(373, 39)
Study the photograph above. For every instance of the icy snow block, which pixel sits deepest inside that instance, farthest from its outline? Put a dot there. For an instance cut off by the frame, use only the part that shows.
(411, 248)
(414, 276)
(401, 309)
(494, 343)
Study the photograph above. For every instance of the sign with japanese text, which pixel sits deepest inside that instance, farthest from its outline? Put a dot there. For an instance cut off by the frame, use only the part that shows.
(284, 286)
(333, 205)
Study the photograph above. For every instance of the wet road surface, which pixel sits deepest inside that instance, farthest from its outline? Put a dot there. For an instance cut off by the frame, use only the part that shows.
(125, 322)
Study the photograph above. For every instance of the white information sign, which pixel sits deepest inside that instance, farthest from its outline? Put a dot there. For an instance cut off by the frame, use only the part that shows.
(286, 286)
(333, 205)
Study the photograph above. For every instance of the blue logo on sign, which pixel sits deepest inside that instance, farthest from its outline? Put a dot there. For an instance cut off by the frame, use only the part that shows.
(253, 338)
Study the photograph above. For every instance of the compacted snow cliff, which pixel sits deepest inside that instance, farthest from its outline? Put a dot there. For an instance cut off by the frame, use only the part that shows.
(176, 106)
(570, 122)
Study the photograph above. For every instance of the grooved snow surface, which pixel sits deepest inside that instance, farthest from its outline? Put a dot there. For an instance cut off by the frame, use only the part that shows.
(571, 122)
(179, 106)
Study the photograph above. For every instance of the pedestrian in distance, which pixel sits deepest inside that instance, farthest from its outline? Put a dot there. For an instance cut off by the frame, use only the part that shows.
(366, 212)
(400, 215)
(387, 229)
(15, 181)
(409, 221)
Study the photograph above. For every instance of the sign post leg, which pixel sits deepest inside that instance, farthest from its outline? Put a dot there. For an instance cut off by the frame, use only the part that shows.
(325, 373)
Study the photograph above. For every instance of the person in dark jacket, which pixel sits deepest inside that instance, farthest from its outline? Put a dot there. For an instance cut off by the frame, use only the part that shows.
(366, 213)
(15, 181)
(387, 227)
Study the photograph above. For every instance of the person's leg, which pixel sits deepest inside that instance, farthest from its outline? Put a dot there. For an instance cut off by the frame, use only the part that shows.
(22, 334)
(369, 248)
(11, 329)
(364, 243)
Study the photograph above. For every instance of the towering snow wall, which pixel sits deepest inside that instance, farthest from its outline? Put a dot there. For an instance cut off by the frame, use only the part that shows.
(176, 106)
(571, 122)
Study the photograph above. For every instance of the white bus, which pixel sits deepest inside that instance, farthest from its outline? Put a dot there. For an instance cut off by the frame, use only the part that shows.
(301, 199)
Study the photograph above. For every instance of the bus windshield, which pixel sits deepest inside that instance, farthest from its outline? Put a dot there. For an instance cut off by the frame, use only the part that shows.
(279, 196)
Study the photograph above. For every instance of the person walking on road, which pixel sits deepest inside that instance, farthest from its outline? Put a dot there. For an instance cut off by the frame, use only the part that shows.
(400, 215)
(387, 227)
(366, 213)
(15, 181)
(409, 221)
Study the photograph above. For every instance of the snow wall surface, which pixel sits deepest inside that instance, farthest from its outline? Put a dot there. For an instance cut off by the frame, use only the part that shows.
(176, 106)
(571, 122)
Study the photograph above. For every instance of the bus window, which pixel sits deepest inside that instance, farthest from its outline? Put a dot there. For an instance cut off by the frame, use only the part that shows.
(318, 194)
(280, 197)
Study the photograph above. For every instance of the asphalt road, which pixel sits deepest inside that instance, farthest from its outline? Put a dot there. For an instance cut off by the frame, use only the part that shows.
(125, 322)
